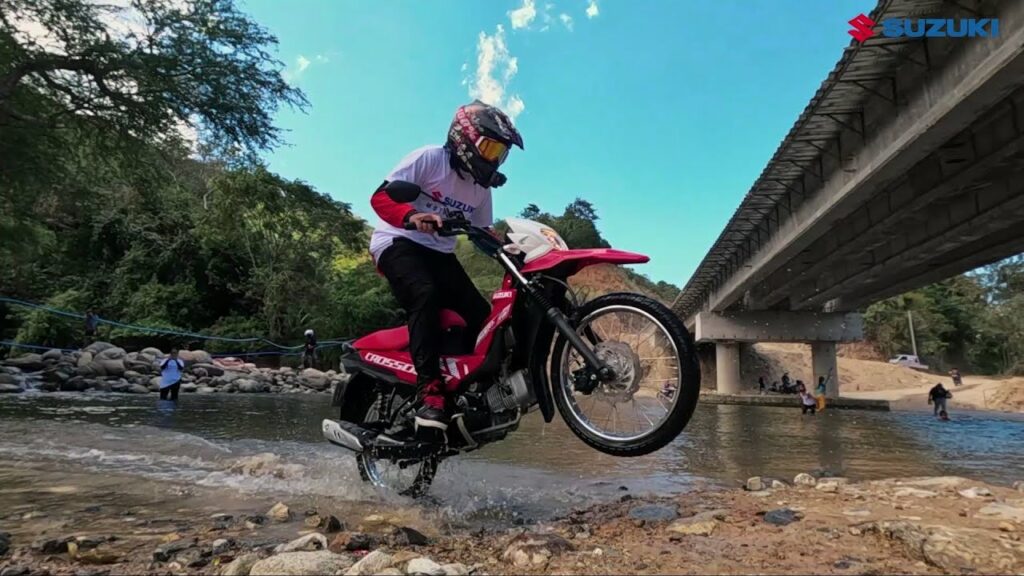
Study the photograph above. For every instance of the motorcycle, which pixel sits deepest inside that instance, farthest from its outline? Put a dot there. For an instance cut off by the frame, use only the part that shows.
(603, 364)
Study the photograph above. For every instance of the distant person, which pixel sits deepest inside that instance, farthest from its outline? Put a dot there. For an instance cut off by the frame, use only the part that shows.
(774, 387)
(760, 384)
(943, 415)
(309, 350)
(808, 401)
(170, 376)
(92, 324)
(937, 396)
(957, 378)
(786, 382)
(819, 393)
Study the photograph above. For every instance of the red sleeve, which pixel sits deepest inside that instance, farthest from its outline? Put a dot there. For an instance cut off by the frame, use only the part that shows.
(392, 212)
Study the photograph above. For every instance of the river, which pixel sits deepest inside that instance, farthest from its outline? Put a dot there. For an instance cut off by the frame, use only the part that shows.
(538, 472)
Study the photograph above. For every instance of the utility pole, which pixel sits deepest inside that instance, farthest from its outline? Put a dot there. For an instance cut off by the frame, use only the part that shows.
(913, 341)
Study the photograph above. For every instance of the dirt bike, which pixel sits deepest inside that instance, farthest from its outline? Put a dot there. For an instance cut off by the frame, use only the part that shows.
(602, 364)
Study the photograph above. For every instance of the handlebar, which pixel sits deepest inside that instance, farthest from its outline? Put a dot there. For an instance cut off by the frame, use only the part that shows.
(449, 226)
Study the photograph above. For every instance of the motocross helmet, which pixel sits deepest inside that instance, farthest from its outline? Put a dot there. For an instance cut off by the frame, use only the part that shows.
(479, 141)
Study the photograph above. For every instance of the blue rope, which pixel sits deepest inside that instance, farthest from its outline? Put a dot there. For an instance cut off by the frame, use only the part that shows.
(160, 330)
(33, 346)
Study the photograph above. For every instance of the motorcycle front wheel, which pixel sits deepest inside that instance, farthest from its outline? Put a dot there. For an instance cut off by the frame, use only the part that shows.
(650, 350)
(410, 478)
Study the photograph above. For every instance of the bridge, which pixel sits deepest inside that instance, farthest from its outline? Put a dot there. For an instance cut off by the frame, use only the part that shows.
(906, 167)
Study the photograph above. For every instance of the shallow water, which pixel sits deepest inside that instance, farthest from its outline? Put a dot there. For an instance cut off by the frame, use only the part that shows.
(539, 471)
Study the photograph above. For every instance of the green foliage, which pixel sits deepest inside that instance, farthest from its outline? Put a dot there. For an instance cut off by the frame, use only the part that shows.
(41, 327)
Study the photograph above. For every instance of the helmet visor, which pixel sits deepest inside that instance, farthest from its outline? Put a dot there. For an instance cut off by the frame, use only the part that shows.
(492, 150)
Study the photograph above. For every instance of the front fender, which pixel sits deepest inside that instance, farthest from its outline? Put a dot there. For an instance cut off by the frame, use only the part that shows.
(576, 260)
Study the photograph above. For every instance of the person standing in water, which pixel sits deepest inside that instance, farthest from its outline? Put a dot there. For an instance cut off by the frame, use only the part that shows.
(170, 376)
(819, 393)
(808, 401)
(937, 396)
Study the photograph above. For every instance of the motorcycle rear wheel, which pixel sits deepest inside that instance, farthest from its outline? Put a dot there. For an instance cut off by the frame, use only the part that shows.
(664, 349)
(408, 478)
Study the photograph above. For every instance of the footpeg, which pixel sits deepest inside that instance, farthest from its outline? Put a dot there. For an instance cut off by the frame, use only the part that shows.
(347, 435)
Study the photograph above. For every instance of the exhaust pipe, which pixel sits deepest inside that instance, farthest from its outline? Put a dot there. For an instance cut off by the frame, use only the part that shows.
(337, 435)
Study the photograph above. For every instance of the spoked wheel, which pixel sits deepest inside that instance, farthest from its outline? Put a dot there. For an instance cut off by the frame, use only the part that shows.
(657, 376)
(410, 478)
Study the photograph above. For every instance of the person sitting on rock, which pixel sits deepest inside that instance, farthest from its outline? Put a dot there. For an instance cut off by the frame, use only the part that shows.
(170, 376)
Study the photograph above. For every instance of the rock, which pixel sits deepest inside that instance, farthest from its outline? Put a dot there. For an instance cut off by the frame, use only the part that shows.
(137, 389)
(1019, 485)
(14, 570)
(391, 572)
(371, 564)
(193, 558)
(654, 513)
(424, 566)
(934, 482)
(781, 517)
(5, 542)
(27, 362)
(1007, 527)
(153, 353)
(6, 378)
(300, 563)
(240, 566)
(250, 386)
(857, 513)
(112, 353)
(914, 493)
(97, 347)
(52, 355)
(205, 390)
(51, 545)
(165, 552)
(754, 484)
(455, 569)
(999, 511)
(778, 485)
(829, 484)
(279, 513)
(314, 541)
(193, 357)
(209, 369)
(975, 492)
(953, 550)
(10, 389)
(690, 527)
(405, 536)
(313, 378)
(220, 546)
(354, 541)
(530, 549)
(189, 387)
(327, 523)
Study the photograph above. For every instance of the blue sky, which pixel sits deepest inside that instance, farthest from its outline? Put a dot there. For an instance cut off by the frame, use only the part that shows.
(662, 113)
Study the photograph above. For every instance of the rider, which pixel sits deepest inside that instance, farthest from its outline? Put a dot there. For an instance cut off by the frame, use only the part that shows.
(420, 266)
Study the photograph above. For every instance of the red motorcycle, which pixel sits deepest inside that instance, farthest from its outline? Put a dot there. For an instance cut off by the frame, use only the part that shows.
(602, 363)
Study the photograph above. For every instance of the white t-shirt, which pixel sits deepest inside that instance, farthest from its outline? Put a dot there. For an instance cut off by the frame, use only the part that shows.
(449, 193)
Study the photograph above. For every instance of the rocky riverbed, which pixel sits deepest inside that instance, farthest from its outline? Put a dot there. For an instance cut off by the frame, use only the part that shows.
(927, 525)
(103, 367)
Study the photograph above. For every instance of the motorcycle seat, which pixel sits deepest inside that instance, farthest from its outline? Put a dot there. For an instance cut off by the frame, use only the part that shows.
(397, 338)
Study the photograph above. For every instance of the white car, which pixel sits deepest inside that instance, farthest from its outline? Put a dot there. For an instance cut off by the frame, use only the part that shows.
(908, 360)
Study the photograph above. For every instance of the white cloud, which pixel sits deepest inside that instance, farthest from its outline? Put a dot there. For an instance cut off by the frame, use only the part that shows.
(592, 10)
(566, 20)
(522, 16)
(495, 69)
(302, 63)
(294, 72)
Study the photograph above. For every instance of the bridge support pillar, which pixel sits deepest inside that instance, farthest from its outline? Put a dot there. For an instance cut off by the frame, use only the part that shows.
(727, 367)
(823, 363)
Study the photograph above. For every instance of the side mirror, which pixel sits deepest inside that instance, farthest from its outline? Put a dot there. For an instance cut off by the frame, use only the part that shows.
(403, 192)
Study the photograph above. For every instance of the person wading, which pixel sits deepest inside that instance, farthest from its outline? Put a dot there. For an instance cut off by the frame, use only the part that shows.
(170, 376)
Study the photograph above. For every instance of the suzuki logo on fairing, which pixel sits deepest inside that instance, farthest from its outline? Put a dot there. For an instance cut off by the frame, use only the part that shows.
(863, 27)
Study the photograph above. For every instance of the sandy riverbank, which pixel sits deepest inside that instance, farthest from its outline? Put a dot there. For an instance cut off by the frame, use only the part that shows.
(921, 526)
(904, 388)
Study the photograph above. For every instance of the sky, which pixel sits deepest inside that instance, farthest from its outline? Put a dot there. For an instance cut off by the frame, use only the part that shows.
(661, 113)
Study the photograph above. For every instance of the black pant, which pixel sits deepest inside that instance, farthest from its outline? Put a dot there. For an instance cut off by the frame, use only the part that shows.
(172, 390)
(424, 282)
(807, 409)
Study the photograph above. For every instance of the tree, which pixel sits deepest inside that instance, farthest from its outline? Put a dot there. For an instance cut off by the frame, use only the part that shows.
(145, 69)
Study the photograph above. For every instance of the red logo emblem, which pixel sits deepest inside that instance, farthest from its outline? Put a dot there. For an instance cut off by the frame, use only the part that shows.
(862, 28)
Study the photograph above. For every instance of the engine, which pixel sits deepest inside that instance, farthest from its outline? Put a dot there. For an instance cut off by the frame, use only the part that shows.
(510, 393)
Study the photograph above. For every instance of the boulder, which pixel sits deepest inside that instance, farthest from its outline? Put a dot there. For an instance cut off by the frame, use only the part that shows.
(137, 389)
(109, 366)
(10, 389)
(27, 362)
(191, 357)
(280, 513)
(424, 566)
(354, 541)
(976, 492)
(97, 347)
(781, 517)
(300, 563)
(313, 378)
(84, 359)
(52, 355)
(314, 541)
(227, 375)
(371, 564)
(9, 378)
(210, 368)
(754, 484)
(205, 390)
(998, 511)
(151, 352)
(250, 386)
(240, 566)
(139, 366)
(112, 353)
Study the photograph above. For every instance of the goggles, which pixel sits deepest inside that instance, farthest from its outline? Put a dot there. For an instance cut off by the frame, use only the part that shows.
(492, 150)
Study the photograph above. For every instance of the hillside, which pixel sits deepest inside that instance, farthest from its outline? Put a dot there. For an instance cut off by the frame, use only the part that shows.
(873, 379)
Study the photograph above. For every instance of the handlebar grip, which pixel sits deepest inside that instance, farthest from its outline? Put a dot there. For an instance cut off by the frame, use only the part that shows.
(410, 226)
